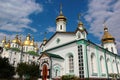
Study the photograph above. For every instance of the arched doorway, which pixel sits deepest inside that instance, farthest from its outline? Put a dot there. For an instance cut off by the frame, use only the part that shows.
(45, 72)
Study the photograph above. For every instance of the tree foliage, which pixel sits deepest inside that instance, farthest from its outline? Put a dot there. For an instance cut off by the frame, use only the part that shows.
(31, 70)
(6, 70)
(70, 77)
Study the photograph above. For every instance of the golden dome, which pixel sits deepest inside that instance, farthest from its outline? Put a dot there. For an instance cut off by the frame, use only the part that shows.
(61, 17)
(27, 41)
(16, 40)
(7, 45)
(32, 42)
(4, 40)
(107, 37)
(36, 47)
(80, 23)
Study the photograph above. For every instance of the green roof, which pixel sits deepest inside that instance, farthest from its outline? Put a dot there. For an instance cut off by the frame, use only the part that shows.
(54, 55)
(33, 53)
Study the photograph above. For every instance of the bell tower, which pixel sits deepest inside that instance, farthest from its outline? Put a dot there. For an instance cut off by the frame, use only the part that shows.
(81, 32)
(61, 22)
(108, 41)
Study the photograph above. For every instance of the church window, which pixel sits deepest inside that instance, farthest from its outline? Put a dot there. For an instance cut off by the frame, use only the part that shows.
(78, 35)
(58, 40)
(33, 57)
(102, 63)
(56, 72)
(60, 27)
(71, 64)
(80, 61)
(109, 66)
(112, 49)
(93, 64)
(107, 48)
(15, 45)
(26, 48)
(119, 67)
(15, 53)
(114, 67)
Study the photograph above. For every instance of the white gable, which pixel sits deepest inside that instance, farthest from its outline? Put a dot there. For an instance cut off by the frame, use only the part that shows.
(59, 39)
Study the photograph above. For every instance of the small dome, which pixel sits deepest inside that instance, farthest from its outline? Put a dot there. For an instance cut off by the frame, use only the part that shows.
(36, 47)
(32, 42)
(7, 45)
(4, 40)
(16, 40)
(107, 37)
(27, 41)
(80, 24)
(61, 17)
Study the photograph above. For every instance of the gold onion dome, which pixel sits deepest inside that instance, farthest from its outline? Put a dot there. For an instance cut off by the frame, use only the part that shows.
(27, 41)
(61, 17)
(36, 47)
(107, 37)
(80, 24)
(16, 40)
(32, 42)
(4, 40)
(8, 44)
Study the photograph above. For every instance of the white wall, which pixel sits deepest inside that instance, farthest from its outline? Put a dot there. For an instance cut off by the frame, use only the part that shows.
(63, 52)
(64, 38)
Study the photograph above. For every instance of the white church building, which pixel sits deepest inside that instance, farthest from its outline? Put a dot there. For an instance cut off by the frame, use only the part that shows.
(71, 53)
(18, 51)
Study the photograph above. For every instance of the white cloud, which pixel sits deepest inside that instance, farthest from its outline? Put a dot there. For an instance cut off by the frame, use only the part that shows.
(104, 10)
(14, 14)
(10, 37)
(51, 29)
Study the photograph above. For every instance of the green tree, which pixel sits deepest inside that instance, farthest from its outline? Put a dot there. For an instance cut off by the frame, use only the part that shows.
(28, 70)
(70, 77)
(6, 70)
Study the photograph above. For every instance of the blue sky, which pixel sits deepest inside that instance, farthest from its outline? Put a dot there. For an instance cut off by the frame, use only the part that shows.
(38, 16)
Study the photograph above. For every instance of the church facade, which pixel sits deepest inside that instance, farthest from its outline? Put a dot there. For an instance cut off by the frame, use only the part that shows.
(71, 53)
(18, 51)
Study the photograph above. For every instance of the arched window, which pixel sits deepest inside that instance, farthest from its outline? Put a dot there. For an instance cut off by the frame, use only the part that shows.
(26, 48)
(109, 66)
(112, 49)
(119, 66)
(114, 67)
(56, 71)
(78, 35)
(60, 27)
(71, 64)
(102, 63)
(93, 63)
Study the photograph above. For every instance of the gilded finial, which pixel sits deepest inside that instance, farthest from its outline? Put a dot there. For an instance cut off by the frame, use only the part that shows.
(28, 34)
(4, 37)
(4, 40)
(61, 9)
(79, 17)
(45, 35)
(16, 36)
(32, 38)
(105, 26)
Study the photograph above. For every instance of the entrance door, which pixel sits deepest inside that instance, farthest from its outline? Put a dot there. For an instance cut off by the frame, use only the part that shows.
(45, 72)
